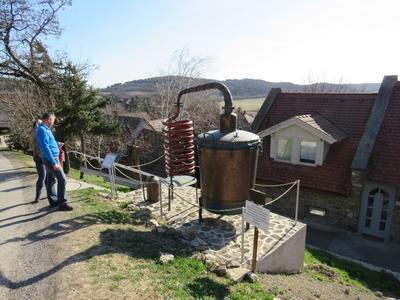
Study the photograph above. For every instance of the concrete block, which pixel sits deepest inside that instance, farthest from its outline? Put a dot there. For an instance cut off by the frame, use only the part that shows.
(287, 257)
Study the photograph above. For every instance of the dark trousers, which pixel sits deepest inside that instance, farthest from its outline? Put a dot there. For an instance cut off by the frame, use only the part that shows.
(51, 179)
(41, 171)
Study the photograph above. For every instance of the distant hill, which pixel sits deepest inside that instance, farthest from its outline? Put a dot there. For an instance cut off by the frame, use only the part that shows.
(240, 88)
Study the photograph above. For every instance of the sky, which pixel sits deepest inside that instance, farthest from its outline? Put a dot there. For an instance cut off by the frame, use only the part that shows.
(300, 41)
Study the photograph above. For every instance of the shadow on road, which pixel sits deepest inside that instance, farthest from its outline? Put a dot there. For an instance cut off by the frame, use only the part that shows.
(14, 169)
(15, 175)
(14, 206)
(15, 189)
(137, 244)
(43, 211)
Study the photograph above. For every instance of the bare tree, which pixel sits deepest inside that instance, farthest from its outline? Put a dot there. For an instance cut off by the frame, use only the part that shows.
(183, 71)
(319, 84)
(24, 25)
(23, 106)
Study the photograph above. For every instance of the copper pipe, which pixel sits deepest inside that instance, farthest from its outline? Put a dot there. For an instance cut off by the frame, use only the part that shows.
(208, 86)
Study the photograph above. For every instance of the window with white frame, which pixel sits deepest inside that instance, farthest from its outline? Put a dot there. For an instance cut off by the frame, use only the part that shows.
(296, 150)
(308, 152)
(284, 149)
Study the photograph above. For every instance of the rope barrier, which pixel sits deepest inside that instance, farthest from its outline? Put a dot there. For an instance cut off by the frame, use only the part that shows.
(275, 185)
(130, 168)
(138, 181)
(148, 163)
(280, 196)
(80, 153)
(96, 168)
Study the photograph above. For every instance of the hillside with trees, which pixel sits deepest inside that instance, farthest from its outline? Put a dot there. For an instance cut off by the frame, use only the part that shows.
(240, 88)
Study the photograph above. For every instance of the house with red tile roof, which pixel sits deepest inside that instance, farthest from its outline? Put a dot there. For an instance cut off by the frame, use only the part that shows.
(344, 147)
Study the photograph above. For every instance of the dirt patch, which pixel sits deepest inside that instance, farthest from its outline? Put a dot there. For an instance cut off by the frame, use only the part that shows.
(324, 270)
(303, 286)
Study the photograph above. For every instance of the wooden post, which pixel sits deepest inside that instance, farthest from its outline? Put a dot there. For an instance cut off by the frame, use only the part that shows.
(255, 246)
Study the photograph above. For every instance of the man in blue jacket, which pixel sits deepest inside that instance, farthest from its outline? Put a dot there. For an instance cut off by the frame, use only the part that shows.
(49, 152)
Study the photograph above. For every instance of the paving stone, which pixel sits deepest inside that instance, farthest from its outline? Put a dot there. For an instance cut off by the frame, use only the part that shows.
(234, 263)
(237, 274)
(220, 233)
(197, 242)
(153, 223)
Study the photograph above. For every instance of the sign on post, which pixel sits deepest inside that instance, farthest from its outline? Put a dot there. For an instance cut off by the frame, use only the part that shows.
(257, 215)
(108, 162)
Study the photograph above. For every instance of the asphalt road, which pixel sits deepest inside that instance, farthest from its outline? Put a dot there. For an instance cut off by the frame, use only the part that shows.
(26, 254)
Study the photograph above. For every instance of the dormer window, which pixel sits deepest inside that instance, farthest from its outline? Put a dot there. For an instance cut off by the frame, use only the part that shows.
(302, 140)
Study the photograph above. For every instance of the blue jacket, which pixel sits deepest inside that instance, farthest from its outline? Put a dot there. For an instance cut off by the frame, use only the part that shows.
(47, 144)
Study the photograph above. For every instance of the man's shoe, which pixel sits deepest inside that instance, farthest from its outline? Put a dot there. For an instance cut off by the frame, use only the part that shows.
(35, 201)
(65, 207)
(53, 204)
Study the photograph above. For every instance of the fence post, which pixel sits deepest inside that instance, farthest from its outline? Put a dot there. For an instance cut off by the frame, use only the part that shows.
(112, 182)
(242, 247)
(84, 160)
(160, 195)
(297, 200)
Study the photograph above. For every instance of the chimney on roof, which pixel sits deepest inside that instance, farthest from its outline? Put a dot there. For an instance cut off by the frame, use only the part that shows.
(371, 131)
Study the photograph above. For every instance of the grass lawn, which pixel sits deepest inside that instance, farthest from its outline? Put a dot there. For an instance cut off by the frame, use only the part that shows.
(97, 180)
(324, 266)
(124, 259)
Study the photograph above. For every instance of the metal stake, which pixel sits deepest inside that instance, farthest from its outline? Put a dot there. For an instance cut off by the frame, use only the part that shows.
(242, 256)
(200, 209)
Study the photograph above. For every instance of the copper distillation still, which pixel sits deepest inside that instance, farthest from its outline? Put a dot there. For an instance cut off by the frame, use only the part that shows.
(227, 157)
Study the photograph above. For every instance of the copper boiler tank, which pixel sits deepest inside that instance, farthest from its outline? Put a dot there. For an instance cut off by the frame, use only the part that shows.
(228, 159)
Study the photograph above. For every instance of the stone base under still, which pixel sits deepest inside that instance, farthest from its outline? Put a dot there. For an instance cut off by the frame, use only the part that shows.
(218, 237)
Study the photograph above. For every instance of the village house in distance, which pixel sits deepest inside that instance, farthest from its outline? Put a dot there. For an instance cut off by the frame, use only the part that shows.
(345, 149)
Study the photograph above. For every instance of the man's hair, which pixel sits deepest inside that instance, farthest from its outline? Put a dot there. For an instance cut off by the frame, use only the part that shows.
(47, 116)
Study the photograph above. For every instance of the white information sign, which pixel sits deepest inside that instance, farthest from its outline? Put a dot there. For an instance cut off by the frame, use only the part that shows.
(257, 215)
(109, 160)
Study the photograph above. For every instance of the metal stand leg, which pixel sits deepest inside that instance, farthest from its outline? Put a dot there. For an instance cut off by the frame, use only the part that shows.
(247, 226)
(170, 196)
(160, 195)
(200, 209)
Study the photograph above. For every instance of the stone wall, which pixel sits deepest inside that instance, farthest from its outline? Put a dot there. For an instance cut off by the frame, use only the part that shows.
(341, 211)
